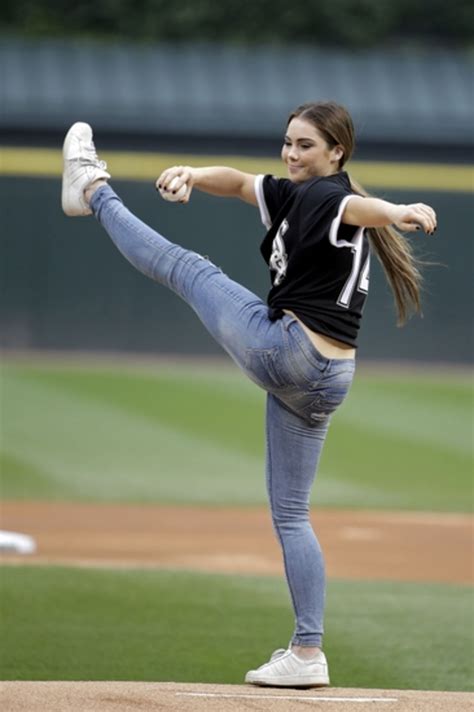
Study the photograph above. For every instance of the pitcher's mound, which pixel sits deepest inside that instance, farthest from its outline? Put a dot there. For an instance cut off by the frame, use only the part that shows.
(182, 697)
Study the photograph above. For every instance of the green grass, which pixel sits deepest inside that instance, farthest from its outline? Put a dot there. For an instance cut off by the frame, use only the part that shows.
(86, 624)
(192, 433)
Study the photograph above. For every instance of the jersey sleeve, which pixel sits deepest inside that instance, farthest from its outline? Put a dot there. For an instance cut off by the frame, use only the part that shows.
(321, 208)
(272, 193)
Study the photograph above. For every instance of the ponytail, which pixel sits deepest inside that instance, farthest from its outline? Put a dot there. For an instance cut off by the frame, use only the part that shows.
(400, 265)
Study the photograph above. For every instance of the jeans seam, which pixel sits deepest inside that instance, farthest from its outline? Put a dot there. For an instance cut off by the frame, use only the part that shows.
(275, 524)
(313, 357)
(323, 367)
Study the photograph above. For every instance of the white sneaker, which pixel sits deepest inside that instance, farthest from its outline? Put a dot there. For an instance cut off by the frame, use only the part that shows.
(81, 168)
(285, 669)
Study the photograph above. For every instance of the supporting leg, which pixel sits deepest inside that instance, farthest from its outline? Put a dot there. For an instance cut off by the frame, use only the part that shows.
(293, 452)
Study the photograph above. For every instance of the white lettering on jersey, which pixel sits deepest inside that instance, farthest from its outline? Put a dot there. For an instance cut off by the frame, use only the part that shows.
(279, 258)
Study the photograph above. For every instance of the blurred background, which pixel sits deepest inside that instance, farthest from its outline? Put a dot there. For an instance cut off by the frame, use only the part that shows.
(204, 83)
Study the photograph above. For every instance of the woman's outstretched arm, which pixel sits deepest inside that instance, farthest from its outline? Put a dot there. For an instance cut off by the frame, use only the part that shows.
(217, 180)
(373, 212)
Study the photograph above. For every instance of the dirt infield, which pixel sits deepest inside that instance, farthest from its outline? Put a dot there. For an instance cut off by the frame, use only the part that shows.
(173, 697)
(357, 544)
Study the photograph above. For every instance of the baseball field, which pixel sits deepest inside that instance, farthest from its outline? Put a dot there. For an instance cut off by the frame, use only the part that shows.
(142, 484)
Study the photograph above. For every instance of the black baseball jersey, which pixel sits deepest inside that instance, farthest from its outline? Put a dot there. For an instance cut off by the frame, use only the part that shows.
(319, 267)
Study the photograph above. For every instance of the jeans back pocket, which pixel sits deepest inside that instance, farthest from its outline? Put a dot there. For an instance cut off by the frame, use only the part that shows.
(265, 368)
(332, 390)
(318, 402)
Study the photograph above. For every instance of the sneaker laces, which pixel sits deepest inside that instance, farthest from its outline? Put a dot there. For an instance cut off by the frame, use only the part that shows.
(91, 158)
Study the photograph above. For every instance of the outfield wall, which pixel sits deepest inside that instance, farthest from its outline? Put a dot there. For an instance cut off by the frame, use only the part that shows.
(65, 286)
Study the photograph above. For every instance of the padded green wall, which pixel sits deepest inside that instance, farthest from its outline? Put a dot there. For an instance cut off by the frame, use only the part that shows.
(65, 286)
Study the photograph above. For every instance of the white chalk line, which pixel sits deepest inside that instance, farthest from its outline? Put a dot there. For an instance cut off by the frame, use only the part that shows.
(285, 697)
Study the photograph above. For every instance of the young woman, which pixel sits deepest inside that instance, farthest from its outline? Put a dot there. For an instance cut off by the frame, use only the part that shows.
(299, 347)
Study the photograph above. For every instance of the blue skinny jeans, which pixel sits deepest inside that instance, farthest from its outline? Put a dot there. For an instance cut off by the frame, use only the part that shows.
(303, 389)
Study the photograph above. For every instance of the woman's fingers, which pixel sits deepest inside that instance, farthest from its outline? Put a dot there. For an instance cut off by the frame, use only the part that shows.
(166, 177)
(418, 216)
(176, 175)
(187, 195)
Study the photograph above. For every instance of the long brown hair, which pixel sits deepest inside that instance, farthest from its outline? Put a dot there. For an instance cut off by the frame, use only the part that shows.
(400, 265)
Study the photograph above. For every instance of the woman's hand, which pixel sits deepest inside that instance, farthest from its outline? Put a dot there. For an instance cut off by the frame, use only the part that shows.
(416, 216)
(185, 175)
(217, 180)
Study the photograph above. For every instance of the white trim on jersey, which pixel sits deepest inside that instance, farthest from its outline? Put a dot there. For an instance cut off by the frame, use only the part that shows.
(264, 214)
(336, 223)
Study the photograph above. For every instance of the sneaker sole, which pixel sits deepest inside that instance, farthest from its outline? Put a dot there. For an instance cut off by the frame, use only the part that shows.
(66, 203)
(300, 682)
(71, 205)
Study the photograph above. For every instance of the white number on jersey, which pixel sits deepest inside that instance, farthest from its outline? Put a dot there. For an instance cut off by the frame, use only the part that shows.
(364, 277)
(358, 277)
